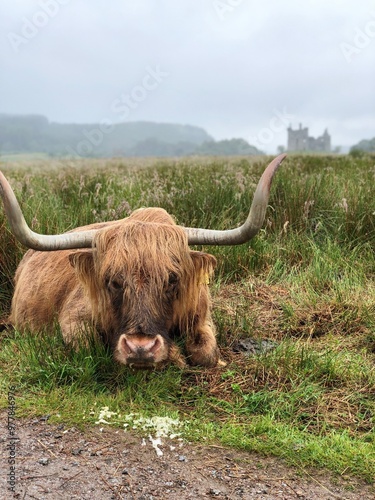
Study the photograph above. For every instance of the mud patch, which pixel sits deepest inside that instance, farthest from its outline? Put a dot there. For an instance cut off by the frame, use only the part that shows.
(55, 462)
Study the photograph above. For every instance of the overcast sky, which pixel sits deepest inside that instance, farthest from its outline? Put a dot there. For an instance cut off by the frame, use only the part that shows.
(237, 68)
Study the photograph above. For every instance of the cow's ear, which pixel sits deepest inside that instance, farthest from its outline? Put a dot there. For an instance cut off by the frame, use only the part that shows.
(204, 264)
(83, 263)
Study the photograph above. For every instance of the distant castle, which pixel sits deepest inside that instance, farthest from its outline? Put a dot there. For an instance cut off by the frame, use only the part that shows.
(299, 140)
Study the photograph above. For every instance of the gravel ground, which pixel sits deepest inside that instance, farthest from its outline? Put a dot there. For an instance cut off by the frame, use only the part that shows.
(55, 462)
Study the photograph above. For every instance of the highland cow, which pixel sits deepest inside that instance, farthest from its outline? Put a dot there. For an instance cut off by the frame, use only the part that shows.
(135, 282)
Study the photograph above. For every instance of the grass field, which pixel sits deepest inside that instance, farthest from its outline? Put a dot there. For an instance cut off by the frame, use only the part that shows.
(306, 282)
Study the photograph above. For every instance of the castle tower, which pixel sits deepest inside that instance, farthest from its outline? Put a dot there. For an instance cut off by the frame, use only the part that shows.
(326, 141)
(299, 140)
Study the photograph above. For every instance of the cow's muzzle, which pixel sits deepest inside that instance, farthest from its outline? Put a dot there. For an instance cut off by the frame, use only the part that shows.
(141, 351)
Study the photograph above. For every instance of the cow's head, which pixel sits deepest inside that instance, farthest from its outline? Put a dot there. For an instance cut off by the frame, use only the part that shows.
(144, 283)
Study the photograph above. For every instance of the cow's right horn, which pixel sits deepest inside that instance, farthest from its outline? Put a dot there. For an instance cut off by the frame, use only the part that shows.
(253, 223)
(81, 239)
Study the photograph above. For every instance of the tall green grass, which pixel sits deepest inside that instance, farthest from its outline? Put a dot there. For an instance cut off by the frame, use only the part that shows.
(306, 283)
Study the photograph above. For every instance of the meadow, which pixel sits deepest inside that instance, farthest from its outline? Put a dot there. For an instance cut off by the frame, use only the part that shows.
(306, 282)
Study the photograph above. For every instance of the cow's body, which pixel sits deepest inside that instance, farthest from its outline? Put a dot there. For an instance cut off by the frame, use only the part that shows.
(139, 287)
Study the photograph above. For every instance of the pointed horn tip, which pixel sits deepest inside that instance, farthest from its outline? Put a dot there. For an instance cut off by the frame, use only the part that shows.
(281, 157)
(269, 172)
(278, 160)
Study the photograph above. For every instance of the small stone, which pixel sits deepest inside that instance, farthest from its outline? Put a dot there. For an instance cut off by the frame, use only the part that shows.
(43, 461)
(215, 493)
(182, 458)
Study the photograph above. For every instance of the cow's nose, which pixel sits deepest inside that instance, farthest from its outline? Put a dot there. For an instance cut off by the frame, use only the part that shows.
(141, 346)
(142, 351)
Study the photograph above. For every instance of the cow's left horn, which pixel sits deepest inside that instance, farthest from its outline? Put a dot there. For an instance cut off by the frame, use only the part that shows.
(81, 239)
(253, 223)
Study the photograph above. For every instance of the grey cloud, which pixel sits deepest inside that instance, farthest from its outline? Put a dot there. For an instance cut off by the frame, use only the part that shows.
(227, 74)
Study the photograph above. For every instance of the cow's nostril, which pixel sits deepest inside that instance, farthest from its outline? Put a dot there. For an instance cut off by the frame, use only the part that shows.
(156, 346)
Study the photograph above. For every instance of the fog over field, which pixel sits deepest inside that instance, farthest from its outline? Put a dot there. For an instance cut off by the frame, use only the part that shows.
(236, 68)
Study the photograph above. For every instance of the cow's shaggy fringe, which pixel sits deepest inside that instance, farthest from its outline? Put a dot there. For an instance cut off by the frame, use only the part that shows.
(161, 252)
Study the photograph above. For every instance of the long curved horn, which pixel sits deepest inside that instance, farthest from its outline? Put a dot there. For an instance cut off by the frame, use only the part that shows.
(79, 239)
(253, 222)
(196, 236)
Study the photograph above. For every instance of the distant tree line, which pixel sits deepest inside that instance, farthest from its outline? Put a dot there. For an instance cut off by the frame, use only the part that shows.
(367, 145)
(35, 134)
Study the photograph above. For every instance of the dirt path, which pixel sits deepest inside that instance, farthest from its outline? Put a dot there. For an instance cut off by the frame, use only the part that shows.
(54, 462)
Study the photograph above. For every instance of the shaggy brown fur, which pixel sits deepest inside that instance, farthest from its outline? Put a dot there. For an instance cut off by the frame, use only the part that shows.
(140, 286)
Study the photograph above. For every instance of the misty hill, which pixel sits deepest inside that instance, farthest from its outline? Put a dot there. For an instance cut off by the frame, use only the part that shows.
(36, 134)
(227, 147)
(367, 145)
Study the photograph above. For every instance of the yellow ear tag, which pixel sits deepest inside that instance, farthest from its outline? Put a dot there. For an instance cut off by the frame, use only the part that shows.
(205, 279)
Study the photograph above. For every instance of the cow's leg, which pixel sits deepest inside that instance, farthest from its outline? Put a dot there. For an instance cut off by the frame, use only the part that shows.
(75, 331)
(201, 345)
(176, 357)
(75, 320)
